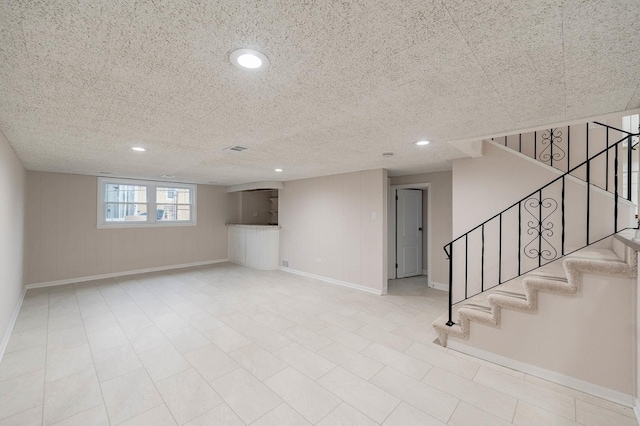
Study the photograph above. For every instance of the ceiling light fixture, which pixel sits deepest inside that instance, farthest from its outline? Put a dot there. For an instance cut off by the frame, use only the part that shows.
(279, 170)
(422, 143)
(248, 59)
(139, 149)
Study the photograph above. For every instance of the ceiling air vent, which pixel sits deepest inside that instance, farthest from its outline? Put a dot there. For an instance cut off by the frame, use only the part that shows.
(236, 148)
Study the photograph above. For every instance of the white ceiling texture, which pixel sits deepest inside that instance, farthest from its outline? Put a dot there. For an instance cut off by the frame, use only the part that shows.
(83, 81)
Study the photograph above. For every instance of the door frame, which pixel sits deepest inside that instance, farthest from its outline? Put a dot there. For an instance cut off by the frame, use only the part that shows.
(391, 223)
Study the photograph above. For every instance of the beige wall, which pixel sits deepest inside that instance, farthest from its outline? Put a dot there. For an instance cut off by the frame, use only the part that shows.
(64, 243)
(12, 230)
(335, 227)
(256, 202)
(441, 213)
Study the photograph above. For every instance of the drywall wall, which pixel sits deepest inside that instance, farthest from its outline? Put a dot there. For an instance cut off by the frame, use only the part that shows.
(335, 227)
(441, 213)
(12, 230)
(64, 243)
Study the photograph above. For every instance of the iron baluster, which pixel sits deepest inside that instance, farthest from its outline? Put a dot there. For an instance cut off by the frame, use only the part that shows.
(629, 167)
(615, 191)
(482, 262)
(450, 256)
(519, 236)
(562, 196)
(466, 264)
(606, 180)
(500, 253)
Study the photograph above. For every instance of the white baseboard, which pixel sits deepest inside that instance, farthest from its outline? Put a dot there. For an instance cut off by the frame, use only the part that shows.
(636, 410)
(552, 376)
(439, 286)
(425, 272)
(122, 274)
(332, 281)
(12, 322)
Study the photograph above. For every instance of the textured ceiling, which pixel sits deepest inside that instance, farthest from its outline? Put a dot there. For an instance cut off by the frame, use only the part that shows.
(83, 81)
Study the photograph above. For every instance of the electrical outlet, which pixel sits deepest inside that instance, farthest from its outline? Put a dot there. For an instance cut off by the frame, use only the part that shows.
(285, 263)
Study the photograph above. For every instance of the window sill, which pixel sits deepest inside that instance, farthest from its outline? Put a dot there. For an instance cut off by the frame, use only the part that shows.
(134, 224)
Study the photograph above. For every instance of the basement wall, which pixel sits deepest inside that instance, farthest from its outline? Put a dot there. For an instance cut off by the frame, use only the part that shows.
(334, 227)
(63, 242)
(12, 231)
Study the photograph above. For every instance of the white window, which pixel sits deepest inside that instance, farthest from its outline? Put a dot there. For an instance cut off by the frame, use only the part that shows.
(125, 203)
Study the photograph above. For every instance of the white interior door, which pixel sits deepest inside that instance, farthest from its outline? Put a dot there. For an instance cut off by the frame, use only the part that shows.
(409, 233)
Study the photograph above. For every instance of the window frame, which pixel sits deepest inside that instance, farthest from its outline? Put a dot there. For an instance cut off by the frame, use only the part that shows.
(152, 208)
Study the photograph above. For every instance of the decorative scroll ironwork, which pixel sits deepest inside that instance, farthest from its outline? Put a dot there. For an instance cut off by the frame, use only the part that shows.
(541, 228)
(552, 151)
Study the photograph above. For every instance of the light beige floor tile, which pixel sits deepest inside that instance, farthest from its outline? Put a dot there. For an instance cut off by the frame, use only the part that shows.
(220, 415)
(360, 394)
(211, 362)
(351, 360)
(31, 417)
(96, 416)
(406, 364)
(146, 339)
(530, 415)
(439, 357)
(407, 415)
(302, 319)
(620, 409)
(342, 321)
(170, 321)
(187, 395)
(466, 415)
(187, 339)
(544, 398)
(100, 322)
(21, 393)
(64, 322)
(307, 338)
(258, 361)
(246, 396)
(129, 395)
(345, 338)
(70, 361)
(386, 338)
(71, 395)
(126, 309)
(592, 415)
(238, 321)
(266, 338)
(375, 321)
(487, 399)
(107, 338)
(66, 339)
(163, 362)
(346, 415)
(432, 401)
(26, 322)
(134, 322)
(227, 338)
(490, 365)
(21, 362)
(116, 362)
(274, 321)
(204, 322)
(282, 415)
(27, 339)
(303, 394)
(305, 361)
(418, 335)
(157, 416)
(65, 307)
(91, 309)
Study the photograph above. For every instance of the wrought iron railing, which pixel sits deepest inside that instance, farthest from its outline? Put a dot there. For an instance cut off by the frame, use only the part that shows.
(533, 231)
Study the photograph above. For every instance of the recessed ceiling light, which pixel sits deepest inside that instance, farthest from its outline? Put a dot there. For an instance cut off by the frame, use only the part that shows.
(139, 149)
(248, 59)
(279, 170)
(422, 143)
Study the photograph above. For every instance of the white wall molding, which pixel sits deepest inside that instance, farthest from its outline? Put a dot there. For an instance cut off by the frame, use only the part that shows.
(552, 376)
(122, 274)
(12, 323)
(636, 410)
(439, 286)
(332, 281)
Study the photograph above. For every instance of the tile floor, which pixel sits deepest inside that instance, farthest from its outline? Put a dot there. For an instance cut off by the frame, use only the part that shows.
(227, 345)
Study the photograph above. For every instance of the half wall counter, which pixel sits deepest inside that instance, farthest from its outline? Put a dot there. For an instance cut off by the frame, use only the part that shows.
(255, 246)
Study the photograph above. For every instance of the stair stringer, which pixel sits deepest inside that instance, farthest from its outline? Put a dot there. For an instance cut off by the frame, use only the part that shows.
(574, 266)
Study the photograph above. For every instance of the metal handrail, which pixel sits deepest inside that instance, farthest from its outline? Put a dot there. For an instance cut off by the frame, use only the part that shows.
(540, 228)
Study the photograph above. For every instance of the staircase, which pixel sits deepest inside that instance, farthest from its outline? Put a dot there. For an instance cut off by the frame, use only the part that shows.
(549, 239)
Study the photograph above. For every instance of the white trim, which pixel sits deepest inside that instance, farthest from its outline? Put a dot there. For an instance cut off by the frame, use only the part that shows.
(122, 274)
(636, 410)
(12, 323)
(552, 376)
(439, 286)
(332, 281)
(425, 272)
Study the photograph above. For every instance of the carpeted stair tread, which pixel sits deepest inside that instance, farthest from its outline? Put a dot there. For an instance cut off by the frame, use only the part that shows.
(562, 276)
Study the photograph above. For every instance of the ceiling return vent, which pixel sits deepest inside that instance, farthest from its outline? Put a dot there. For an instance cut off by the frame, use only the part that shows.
(236, 148)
